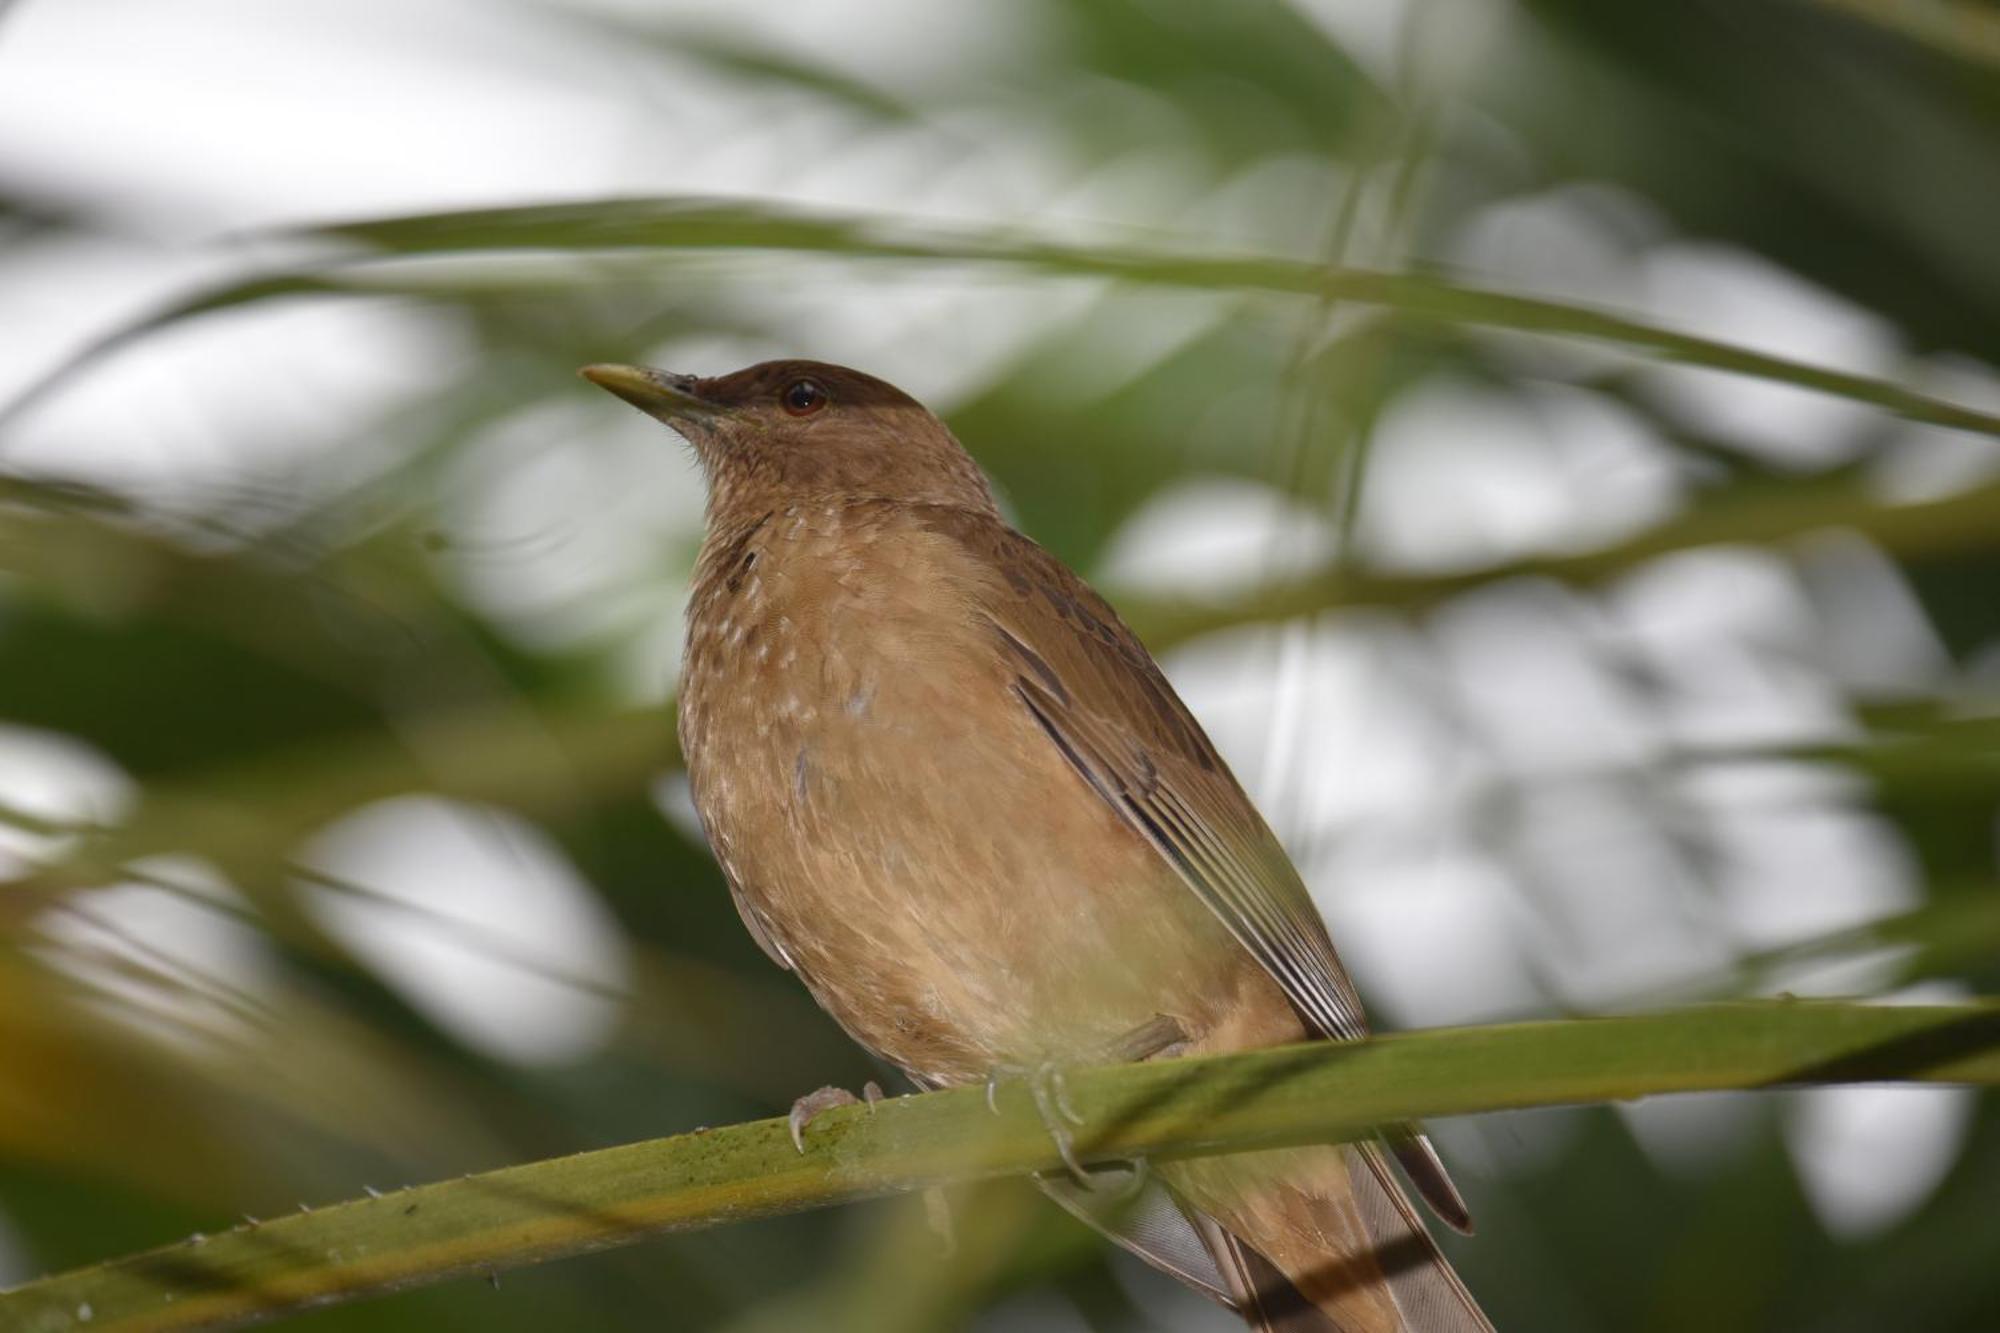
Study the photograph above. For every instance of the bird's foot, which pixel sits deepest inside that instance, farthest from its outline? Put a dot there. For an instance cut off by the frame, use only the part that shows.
(1159, 1037)
(809, 1107)
(1050, 1094)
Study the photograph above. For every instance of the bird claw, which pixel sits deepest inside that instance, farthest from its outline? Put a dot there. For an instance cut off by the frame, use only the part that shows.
(809, 1107)
(1142, 1173)
(1114, 1182)
(1049, 1081)
(1050, 1095)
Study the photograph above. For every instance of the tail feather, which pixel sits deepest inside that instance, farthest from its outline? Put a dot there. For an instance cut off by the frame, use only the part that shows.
(1429, 1293)
(1323, 1239)
(1259, 1292)
(1425, 1169)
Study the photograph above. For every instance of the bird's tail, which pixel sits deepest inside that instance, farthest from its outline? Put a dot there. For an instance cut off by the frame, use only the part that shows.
(1322, 1240)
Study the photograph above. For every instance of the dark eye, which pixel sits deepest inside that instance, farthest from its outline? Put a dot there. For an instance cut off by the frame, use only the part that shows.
(803, 397)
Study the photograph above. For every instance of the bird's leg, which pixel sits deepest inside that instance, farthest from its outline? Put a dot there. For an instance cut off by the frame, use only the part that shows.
(1051, 1098)
(808, 1108)
(1159, 1036)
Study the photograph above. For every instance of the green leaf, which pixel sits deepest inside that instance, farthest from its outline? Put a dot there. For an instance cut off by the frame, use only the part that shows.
(1321, 1092)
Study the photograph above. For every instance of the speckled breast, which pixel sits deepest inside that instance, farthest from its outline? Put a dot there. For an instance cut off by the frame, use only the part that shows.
(895, 827)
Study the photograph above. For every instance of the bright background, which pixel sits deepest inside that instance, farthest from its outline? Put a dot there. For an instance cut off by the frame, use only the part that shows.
(343, 836)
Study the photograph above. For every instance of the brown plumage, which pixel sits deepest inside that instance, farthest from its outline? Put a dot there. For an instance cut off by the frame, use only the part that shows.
(953, 793)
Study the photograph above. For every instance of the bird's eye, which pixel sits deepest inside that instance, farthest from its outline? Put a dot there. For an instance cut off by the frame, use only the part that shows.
(803, 397)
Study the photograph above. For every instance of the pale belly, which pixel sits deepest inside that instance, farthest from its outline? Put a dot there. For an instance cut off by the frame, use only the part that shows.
(898, 828)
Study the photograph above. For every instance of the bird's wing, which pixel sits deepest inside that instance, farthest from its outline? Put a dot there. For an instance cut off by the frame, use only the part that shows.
(1102, 701)
(1105, 705)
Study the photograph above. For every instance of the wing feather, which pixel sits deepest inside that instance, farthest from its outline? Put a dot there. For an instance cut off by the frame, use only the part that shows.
(1097, 694)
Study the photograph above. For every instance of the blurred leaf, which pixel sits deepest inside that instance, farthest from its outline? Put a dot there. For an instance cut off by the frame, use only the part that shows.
(545, 764)
(1744, 121)
(675, 224)
(1968, 521)
(92, 1096)
(1968, 31)
(752, 63)
(692, 224)
(1245, 80)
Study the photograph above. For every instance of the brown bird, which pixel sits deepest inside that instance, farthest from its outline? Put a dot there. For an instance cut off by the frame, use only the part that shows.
(954, 793)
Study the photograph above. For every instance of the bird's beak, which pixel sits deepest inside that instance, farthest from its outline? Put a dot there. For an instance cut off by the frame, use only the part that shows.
(658, 393)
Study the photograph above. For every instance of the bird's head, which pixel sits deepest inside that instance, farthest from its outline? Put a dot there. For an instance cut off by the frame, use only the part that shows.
(783, 432)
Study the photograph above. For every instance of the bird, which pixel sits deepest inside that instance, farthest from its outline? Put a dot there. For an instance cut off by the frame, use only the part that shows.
(956, 796)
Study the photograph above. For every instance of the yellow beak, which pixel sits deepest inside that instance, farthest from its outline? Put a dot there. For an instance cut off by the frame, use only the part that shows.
(659, 393)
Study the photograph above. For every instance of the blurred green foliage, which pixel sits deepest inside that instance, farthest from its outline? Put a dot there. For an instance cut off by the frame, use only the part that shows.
(310, 642)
